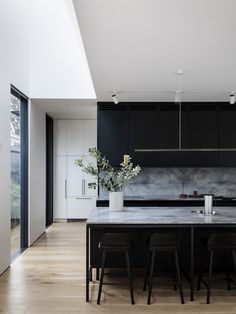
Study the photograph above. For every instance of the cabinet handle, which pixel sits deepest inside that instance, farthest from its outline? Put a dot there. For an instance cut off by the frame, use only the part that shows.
(83, 186)
(65, 188)
(83, 198)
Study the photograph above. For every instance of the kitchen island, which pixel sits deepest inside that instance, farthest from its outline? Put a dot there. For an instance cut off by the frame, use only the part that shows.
(141, 222)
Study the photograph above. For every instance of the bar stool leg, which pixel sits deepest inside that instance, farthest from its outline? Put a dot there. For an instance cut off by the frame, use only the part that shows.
(226, 257)
(174, 281)
(173, 274)
(234, 259)
(179, 277)
(203, 261)
(130, 277)
(97, 273)
(102, 275)
(209, 277)
(151, 277)
(147, 272)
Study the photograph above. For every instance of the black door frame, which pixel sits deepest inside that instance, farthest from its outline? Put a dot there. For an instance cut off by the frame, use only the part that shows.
(23, 166)
(49, 171)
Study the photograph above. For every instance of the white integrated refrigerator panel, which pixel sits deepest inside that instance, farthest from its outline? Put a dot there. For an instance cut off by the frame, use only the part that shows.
(80, 208)
(72, 197)
(75, 137)
(89, 179)
(75, 180)
(90, 128)
(60, 187)
(60, 137)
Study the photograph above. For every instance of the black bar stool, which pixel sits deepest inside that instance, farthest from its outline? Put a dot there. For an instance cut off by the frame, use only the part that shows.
(163, 242)
(217, 242)
(115, 242)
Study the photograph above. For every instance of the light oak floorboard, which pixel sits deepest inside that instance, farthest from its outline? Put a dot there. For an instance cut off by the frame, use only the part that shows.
(49, 278)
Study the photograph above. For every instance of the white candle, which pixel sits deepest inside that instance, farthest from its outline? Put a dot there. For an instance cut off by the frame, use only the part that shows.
(126, 160)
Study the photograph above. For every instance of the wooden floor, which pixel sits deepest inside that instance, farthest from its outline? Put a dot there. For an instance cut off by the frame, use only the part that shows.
(50, 278)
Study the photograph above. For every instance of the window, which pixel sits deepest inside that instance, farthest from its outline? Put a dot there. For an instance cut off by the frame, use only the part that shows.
(19, 171)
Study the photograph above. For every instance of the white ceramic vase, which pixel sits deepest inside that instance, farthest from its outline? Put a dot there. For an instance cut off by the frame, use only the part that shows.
(116, 201)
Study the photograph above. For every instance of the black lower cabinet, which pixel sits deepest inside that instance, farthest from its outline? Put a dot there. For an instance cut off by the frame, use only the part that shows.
(139, 254)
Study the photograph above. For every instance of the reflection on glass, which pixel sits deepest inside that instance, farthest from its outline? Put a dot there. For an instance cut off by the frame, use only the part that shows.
(15, 175)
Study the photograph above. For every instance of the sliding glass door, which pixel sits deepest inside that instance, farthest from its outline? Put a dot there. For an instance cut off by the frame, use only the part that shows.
(19, 171)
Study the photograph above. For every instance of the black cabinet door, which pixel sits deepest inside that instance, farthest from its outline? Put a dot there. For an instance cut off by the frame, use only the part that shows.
(143, 133)
(168, 126)
(113, 132)
(201, 133)
(227, 134)
(168, 136)
(202, 126)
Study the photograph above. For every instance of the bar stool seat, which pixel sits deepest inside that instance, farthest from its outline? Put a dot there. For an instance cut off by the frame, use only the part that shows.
(162, 242)
(217, 242)
(115, 242)
(222, 241)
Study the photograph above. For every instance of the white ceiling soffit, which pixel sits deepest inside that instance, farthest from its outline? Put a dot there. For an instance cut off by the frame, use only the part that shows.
(69, 108)
(136, 46)
(59, 67)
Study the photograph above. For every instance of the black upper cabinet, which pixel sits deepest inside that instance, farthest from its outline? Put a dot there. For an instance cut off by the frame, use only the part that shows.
(227, 134)
(113, 139)
(143, 126)
(168, 126)
(168, 136)
(155, 126)
(127, 127)
(202, 130)
(143, 133)
(227, 126)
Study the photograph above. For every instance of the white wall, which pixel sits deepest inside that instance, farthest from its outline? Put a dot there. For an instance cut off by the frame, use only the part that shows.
(14, 65)
(42, 56)
(4, 175)
(37, 171)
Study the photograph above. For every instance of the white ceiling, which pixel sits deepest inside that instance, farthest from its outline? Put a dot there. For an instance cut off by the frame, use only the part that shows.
(136, 46)
(69, 108)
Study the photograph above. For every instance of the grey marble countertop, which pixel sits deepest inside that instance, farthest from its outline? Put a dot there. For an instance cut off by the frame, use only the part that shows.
(161, 215)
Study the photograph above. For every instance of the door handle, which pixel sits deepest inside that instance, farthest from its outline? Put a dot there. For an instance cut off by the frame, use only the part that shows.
(83, 198)
(83, 186)
(65, 188)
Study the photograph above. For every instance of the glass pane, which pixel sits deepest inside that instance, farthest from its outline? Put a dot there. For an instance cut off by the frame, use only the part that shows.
(15, 175)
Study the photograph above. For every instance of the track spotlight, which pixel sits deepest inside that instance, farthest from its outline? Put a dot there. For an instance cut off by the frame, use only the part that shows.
(115, 99)
(232, 98)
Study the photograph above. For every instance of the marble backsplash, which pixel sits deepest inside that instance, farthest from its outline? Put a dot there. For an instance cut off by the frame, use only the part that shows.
(174, 181)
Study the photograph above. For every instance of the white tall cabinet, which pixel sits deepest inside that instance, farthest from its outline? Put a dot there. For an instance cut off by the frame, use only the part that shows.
(72, 197)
